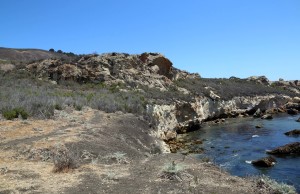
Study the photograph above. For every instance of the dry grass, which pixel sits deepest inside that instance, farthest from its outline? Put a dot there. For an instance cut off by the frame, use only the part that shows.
(40, 99)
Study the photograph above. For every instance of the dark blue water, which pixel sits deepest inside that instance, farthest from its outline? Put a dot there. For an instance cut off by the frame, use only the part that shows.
(230, 145)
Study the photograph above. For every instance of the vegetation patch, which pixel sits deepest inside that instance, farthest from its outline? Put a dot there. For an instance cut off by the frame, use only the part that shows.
(15, 113)
(229, 88)
(39, 98)
(117, 157)
(172, 171)
(266, 184)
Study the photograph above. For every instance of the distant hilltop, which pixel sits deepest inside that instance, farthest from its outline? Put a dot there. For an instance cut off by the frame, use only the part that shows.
(21, 56)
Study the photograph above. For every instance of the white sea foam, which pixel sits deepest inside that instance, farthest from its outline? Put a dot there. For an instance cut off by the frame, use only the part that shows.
(248, 161)
(255, 135)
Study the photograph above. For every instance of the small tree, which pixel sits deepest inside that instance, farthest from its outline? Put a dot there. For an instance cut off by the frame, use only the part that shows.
(51, 50)
(59, 51)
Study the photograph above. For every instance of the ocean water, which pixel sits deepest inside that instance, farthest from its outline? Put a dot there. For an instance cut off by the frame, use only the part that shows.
(234, 144)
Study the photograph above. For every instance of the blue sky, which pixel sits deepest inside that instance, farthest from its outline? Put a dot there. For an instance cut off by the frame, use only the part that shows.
(216, 38)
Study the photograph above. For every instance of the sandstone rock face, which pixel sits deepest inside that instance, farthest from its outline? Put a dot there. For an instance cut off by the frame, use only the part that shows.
(150, 69)
(187, 116)
(289, 149)
(264, 162)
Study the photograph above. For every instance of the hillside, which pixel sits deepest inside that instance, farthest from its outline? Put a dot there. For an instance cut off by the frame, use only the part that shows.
(23, 56)
(112, 123)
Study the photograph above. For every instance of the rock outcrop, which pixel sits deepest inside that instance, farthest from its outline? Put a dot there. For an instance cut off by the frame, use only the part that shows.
(264, 162)
(153, 70)
(187, 116)
(267, 116)
(292, 111)
(150, 69)
(288, 149)
(295, 132)
(293, 86)
(259, 79)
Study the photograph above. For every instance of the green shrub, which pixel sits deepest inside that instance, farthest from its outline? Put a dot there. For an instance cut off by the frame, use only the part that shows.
(15, 113)
(10, 114)
(58, 107)
(78, 107)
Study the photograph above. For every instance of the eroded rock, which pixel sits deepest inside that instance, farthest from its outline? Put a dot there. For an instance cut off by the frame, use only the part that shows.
(151, 69)
(292, 111)
(264, 162)
(288, 149)
(295, 132)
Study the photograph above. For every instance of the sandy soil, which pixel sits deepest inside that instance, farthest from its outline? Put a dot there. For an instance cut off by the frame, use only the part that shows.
(115, 153)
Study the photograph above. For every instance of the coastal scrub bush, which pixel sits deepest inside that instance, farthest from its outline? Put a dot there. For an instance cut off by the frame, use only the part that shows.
(171, 171)
(15, 113)
(272, 186)
(117, 157)
(64, 159)
(40, 98)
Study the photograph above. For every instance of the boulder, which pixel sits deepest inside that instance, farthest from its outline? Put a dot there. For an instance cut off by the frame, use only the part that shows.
(292, 111)
(298, 120)
(296, 100)
(264, 162)
(288, 149)
(295, 132)
(267, 116)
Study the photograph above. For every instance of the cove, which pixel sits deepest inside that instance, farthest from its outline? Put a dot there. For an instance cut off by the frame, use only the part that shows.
(234, 144)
